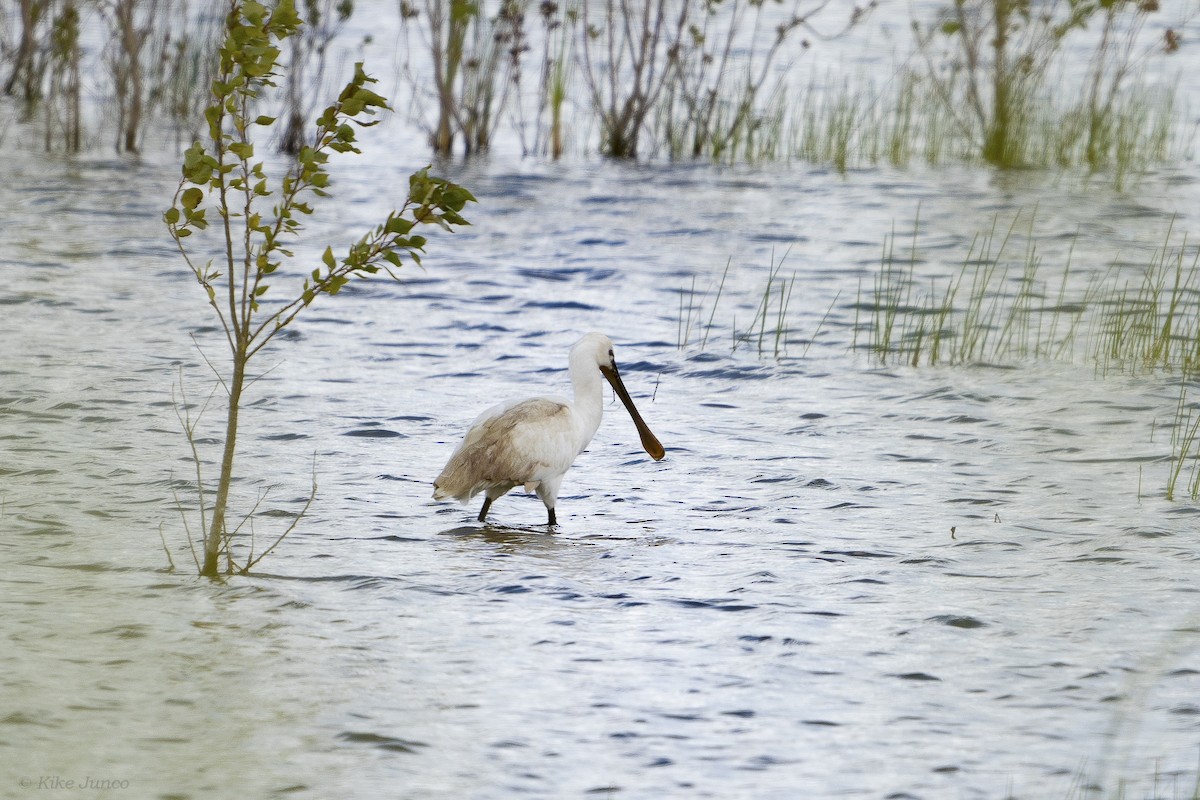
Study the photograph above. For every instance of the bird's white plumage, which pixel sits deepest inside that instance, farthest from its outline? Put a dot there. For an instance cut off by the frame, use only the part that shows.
(532, 443)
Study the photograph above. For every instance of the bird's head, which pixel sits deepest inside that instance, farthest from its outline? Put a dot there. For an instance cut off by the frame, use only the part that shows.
(599, 347)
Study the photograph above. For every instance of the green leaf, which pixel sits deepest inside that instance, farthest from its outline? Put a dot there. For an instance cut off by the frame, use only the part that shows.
(398, 225)
(197, 164)
(456, 197)
(285, 20)
(370, 99)
(171, 216)
(254, 12)
(328, 258)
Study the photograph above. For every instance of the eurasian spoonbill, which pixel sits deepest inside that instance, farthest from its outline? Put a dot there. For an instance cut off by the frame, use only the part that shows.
(532, 443)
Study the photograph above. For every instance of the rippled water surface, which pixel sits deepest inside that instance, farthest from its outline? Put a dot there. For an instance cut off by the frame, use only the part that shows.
(845, 580)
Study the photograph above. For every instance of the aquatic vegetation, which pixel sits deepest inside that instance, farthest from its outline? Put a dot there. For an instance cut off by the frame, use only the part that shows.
(472, 64)
(717, 83)
(1000, 63)
(220, 173)
(308, 57)
(985, 82)
(724, 98)
(1185, 446)
(906, 120)
(557, 58)
(771, 329)
(63, 109)
(130, 31)
(987, 312)
(151, 69)
(633, 45)
(777, 319)
(1003, 306)
(1156, 324)
(691, 311)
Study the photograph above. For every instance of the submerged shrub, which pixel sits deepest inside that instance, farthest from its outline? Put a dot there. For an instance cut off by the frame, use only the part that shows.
(258, 217)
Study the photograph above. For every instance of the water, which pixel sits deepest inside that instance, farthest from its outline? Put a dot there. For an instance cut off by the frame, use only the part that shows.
(845, 580)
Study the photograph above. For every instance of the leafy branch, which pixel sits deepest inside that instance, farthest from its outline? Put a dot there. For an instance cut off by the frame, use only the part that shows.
(223, 184)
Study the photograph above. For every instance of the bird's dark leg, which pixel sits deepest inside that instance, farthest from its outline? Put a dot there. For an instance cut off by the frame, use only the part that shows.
(487, 503)
(552, 521)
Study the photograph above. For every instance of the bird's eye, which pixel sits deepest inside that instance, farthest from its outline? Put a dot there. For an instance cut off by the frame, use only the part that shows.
(610, 356)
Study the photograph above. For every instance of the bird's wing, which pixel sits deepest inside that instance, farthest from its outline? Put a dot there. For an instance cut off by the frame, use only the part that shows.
(540, 436)
(518, 443)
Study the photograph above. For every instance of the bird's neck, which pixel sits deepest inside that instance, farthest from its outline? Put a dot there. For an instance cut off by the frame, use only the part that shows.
(589, 396)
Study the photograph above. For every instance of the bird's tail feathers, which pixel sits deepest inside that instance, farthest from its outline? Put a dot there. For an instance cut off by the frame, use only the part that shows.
(442, 493)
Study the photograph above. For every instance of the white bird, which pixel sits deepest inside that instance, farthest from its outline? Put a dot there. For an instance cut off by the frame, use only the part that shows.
(532, 443)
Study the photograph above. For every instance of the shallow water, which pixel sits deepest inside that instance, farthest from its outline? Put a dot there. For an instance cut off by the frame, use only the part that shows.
(846, 579)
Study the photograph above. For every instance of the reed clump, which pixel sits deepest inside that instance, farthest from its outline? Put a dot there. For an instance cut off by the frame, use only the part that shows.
(1151, 319)
(1005, 304)
(998, 306)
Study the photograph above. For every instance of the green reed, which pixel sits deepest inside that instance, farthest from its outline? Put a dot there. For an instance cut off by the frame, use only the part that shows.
(777, 318)
(1003, 303)
(998, 306)
(691, 312)
(855, 124)
(1185, 438)
(1153, 321)
(771, 328)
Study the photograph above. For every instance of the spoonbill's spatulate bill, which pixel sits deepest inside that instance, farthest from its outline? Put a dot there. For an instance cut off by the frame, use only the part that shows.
(532, 443)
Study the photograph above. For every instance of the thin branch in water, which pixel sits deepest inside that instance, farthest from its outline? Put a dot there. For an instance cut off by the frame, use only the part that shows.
(184, 414)
(187, 529)
(211, 366)
(307, 504)
(167, 550)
